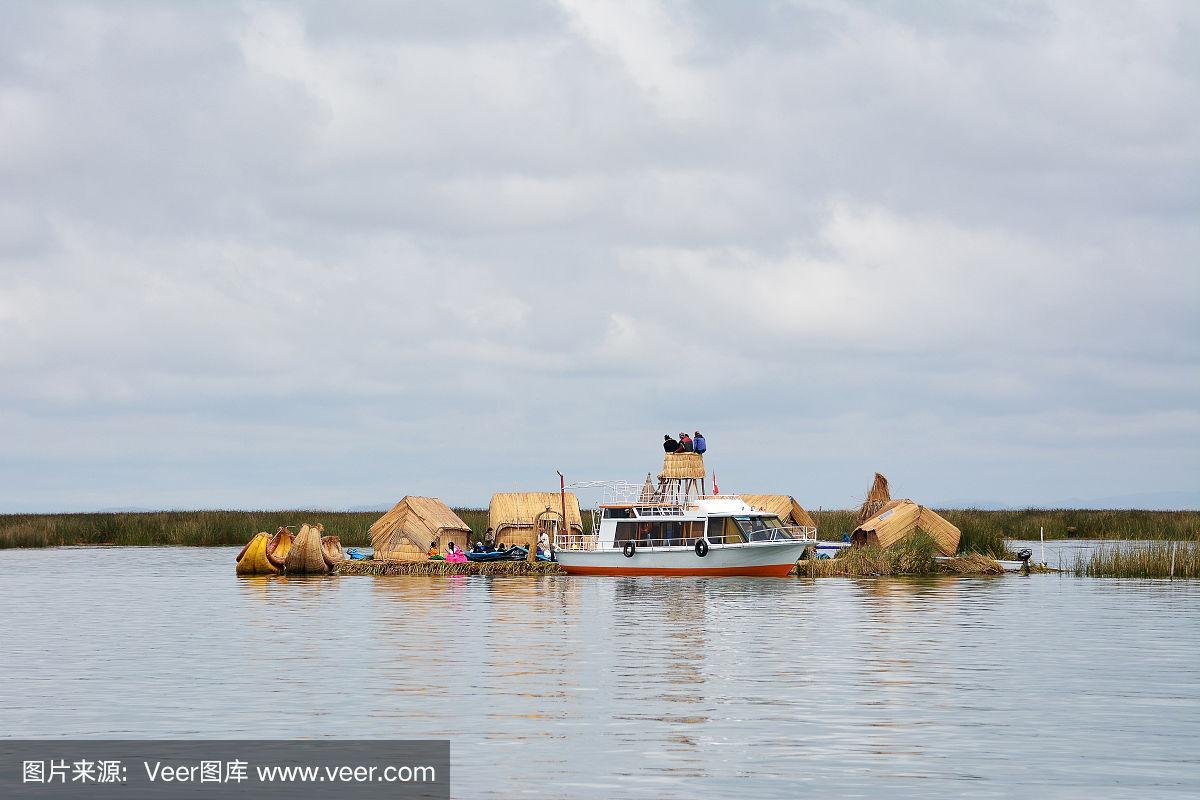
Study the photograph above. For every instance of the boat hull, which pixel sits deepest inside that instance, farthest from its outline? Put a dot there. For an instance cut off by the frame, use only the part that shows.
(761, 559)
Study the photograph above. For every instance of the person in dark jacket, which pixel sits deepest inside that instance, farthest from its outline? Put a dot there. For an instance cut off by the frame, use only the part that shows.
(698, 443)
(685, 443)
(669, 444)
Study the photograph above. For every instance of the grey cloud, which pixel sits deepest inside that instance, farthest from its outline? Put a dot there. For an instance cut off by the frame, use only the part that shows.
(273, 254)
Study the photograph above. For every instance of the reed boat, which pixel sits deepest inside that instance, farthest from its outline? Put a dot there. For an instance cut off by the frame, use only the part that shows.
(675, 528)
(252, 560)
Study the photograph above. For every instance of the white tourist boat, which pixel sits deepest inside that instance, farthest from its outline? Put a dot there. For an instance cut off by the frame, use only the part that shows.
(674, 528)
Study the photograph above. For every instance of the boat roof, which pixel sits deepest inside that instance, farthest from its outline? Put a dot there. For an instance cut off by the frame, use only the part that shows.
(709, 505)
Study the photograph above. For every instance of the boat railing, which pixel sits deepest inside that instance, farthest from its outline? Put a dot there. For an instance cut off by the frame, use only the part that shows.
(791, 533)
(577, 541)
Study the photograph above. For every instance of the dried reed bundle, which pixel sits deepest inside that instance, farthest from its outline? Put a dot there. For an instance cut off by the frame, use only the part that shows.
(305, 557)
(682, 465)
(972, 564)
(278, 548)
(783, 506)
(497, 568)
(877, 497)
(252, 560)
(331, 551)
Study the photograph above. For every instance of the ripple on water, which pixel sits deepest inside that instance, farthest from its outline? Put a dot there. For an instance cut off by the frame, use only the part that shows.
(633, 687)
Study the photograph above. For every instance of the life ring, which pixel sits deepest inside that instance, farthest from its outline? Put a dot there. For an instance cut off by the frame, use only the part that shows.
(702, 547)
(629, 549)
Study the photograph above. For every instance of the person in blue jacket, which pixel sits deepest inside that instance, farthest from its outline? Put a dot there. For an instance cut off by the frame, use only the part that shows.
(698, 443)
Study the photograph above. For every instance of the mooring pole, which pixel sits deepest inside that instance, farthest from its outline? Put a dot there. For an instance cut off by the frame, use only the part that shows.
(562, 496)
(1042, 534)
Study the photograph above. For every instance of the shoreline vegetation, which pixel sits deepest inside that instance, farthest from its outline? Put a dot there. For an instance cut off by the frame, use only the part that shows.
(983, 532)
(1179, 559)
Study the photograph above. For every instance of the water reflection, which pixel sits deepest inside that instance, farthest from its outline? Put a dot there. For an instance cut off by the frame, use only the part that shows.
(637, 687)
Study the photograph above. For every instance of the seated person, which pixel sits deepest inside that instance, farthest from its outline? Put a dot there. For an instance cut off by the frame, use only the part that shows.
(454, 555)
(685, 443)
(669, 444)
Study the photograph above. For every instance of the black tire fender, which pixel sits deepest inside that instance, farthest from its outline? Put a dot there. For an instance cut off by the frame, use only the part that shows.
(629, 549)
(702, 547)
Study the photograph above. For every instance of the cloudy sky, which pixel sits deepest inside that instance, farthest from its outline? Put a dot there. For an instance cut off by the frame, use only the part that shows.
(306, 254)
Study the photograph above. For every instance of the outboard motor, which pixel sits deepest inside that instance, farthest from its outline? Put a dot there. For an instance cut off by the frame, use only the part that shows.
(1023, 556)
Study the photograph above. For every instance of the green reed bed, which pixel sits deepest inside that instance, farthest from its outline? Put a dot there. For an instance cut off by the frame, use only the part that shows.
(193, 528)
(1077, 523)
(912, 556)
(982, 531)
(1161, 560)
(987, 531)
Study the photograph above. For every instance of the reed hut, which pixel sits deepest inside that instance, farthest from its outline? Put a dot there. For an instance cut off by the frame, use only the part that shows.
(415, 524)
(899, 519)
(783, 506)
(511, 515)
(878, 495)
(306, 556)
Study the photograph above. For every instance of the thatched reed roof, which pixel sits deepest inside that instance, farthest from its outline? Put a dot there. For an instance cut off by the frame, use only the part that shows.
(682, 465)
(420, 521)
(647, 495)
(877, 496)
(520, 509)
(900, 518)
(782, 505)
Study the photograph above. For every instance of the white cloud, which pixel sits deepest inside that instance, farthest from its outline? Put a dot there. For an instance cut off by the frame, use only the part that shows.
(449, 250)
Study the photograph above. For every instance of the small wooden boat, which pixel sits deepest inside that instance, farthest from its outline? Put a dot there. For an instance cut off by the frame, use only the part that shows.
(252, 560)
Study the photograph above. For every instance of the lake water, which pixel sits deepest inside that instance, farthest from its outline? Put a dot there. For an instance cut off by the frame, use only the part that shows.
(1043, 686)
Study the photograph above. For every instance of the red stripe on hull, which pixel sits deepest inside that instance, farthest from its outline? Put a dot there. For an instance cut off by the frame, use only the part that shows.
(763, 571)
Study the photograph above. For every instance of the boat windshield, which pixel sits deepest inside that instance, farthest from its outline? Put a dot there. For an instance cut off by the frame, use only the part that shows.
(745, 528)
(762, 529)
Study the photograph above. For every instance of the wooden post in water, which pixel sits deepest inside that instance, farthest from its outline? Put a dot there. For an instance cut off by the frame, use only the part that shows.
(1174, 547)
(562, 496)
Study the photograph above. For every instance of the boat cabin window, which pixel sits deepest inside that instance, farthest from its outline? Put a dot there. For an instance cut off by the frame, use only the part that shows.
(724, 530)
(618, 513)
(739, 529)
(762, 529)
(658, 534)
